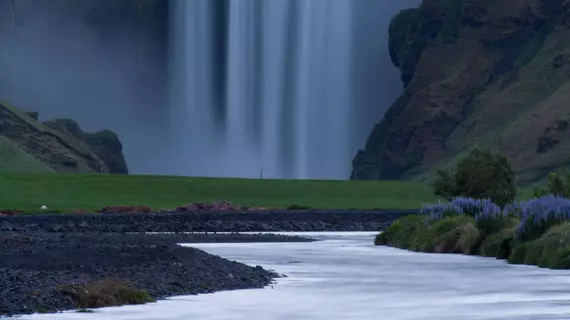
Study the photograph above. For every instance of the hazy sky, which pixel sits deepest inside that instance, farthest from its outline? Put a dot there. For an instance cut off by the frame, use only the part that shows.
(104, 71)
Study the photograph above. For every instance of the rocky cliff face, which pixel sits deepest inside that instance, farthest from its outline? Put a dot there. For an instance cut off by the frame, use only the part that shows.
(493, 74)
(105, 144)
(60, 145)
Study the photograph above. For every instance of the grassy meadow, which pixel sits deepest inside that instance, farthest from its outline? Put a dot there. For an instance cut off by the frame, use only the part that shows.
(65, 192)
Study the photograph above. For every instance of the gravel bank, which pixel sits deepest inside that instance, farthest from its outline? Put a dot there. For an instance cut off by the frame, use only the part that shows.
(40, 253)
(208, 221)
(34, 266)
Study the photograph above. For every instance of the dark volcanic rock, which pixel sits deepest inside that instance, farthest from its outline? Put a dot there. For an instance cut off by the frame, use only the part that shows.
(35, 266)
(223, 221)
(108, 147)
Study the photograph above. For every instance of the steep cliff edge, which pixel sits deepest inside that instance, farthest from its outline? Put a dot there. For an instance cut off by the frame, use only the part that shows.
(488, 73)
(27, 145)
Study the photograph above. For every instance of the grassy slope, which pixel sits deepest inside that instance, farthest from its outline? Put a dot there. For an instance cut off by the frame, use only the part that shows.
(512, 118)
(14, 159)
(65, 192)
(69, 141)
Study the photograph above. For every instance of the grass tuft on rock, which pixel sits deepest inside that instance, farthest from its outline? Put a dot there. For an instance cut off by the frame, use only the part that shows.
(105, 293)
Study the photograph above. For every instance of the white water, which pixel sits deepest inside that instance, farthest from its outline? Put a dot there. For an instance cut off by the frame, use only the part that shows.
(282, 86)
(345, 277)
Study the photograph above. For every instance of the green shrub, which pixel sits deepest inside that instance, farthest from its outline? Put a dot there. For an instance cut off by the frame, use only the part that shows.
(499, 244)
(557, 185)
(454, 234)
(480, 175)
(380, 239)
(518, 252)
(403, 232)
(552, 250)
(493, 225)
(444, 184)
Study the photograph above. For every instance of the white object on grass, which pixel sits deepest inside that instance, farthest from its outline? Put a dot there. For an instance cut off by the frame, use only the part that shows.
(44, 207)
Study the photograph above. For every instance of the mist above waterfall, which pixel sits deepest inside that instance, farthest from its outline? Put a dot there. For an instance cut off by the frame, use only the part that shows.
(292, 87)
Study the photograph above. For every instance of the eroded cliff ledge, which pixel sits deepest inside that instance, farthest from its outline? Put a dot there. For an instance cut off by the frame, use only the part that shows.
(494, 74)
(28, 145)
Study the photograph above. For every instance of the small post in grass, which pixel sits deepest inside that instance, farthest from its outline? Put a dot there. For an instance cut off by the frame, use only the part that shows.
(261, 173)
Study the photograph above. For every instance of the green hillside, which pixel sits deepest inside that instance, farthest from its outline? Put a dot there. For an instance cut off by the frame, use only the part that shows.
(490, 74)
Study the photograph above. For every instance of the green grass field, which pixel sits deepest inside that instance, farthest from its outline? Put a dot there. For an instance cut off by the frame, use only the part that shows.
(65, 192)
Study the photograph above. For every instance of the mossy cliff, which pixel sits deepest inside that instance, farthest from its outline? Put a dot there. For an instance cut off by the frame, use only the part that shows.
(28, 145)
(483, 73)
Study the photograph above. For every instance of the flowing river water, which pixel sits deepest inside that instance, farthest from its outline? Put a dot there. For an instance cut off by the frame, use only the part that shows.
(346, 277)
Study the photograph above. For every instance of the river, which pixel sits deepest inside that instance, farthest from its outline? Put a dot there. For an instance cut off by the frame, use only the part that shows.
(346, 277)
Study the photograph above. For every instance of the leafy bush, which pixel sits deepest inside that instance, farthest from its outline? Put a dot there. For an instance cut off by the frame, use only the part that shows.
(380, 239)
(556, 186)
(453, 234)
(551, 250)
(403, 233)
(481, 175)
(518, 253)
(499, 244)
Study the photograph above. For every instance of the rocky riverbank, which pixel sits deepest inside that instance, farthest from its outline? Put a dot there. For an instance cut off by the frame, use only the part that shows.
(246, 221)
(49, 272)
(50, 263)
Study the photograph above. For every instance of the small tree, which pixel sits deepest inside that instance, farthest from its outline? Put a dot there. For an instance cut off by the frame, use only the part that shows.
(444, 184)
(556, 186)
(481, 174)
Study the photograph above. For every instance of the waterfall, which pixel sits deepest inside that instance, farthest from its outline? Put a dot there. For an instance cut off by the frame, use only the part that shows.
(267, 85)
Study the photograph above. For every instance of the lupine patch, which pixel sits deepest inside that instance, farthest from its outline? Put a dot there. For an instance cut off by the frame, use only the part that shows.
(477, 208)
(539, 214)
(536, 215)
